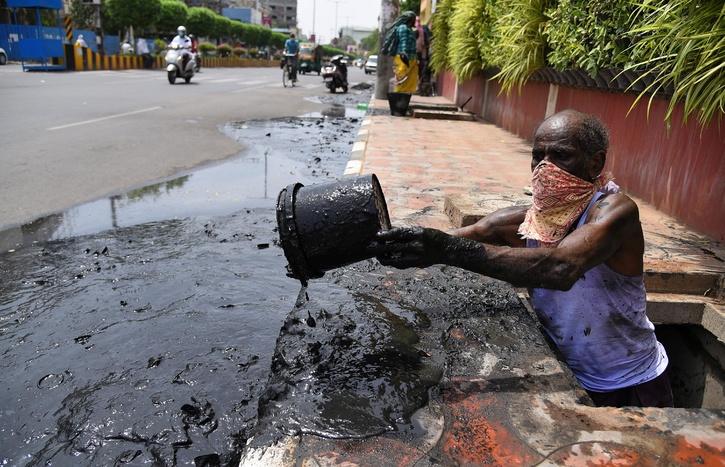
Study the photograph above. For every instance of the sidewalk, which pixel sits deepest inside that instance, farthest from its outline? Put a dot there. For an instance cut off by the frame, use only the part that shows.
(444, 174)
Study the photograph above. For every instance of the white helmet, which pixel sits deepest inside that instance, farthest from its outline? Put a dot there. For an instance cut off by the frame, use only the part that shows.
(181, 30)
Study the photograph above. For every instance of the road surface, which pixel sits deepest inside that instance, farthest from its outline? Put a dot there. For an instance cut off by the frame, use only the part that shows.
(69, 138)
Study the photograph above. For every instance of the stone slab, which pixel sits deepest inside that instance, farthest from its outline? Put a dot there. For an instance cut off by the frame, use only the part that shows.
(443, 115)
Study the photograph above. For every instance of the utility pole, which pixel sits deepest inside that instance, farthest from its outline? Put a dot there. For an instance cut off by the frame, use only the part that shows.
(314, 16)
(337, 2)
(388, 12)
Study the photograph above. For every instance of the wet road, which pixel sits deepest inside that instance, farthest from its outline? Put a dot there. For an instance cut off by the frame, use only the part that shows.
(68, 138)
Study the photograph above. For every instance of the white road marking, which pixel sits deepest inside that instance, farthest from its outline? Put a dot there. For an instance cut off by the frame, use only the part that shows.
(224, 80)
(101, 119)
(252, 83)
(249, 88)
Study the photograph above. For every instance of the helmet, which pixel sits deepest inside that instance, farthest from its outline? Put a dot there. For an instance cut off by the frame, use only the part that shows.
(181, 30)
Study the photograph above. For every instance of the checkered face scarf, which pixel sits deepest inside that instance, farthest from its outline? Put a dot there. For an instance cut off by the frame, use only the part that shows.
(560, 198)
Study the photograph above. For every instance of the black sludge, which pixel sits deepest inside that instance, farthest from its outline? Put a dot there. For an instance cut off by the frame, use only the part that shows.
(358, 372)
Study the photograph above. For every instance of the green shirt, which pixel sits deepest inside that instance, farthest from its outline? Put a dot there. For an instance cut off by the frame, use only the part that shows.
(406, 41)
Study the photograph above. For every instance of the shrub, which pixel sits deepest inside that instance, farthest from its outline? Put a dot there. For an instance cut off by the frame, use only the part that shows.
(588, 35)
(201, 21)
(520, 45)
(467, 24)
(441, 31)
(682, 44)
(173, 14)
(159, 46)
(239, 52)
(207, 49)
(224, 50)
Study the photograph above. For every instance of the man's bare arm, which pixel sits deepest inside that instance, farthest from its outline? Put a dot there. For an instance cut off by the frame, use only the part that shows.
(553, 268)
(498, 228)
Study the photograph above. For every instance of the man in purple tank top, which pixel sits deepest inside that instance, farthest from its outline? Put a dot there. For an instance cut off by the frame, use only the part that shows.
(579, 249)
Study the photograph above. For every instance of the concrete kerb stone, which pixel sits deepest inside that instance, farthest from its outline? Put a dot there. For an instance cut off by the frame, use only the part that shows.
(354, 166)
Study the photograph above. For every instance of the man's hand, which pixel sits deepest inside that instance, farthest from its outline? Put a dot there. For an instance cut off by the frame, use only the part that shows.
(405, 59)
(411, 247)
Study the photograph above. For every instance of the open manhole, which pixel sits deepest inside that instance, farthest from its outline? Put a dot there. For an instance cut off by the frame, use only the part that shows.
(696, 365)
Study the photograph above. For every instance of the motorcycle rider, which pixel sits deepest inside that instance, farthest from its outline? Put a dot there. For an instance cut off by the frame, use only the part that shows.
(292, 47)
(184, 43)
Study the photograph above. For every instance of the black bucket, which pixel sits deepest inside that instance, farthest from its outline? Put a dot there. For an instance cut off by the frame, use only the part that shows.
(326, 226)
(399, 103)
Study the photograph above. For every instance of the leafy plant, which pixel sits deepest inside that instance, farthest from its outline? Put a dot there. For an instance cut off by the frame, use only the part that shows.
(371, 43)
(681, 43)
(82, 14)
(224, 50)
(469, 34)
(520, 44)
(441, 31)
(159, 46)
(173, 14)
(140, 14)
(201, 22)
(207, 49)
(223, 26)
(588, 34)
(239, 52)
(410, 5)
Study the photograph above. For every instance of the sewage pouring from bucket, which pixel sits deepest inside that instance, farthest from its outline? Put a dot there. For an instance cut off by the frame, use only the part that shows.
(327, 226)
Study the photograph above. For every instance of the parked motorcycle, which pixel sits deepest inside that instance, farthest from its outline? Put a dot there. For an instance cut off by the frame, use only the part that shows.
(177, 67)
(334, 74)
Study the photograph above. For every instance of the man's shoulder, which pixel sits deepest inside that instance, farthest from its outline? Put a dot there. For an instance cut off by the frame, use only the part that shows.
(614, 207)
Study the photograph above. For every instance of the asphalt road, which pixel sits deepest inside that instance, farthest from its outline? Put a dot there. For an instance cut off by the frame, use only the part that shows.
(68, 138)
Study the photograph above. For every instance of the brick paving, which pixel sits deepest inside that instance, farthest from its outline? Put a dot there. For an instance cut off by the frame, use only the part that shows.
(421, 162)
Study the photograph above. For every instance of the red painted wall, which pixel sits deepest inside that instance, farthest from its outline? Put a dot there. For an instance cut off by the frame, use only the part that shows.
(446, 84)
(680, 169)
(474, 90)
(517, 112)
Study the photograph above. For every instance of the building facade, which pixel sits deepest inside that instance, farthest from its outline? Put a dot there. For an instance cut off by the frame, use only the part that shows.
(282, 13)
(356, 33)
(219, 5)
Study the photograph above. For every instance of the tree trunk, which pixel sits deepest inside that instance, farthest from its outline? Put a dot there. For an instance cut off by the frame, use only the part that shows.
(388, 12)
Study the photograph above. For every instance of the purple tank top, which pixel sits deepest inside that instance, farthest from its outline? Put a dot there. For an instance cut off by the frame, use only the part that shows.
(601, 327)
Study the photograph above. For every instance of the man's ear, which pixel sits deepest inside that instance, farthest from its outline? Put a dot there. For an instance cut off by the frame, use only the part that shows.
(598, 160)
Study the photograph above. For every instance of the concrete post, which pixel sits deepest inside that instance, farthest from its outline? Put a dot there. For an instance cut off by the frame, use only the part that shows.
(388, 12)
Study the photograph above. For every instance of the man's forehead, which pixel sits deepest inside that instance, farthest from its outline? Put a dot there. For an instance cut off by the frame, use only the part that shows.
(556, 127)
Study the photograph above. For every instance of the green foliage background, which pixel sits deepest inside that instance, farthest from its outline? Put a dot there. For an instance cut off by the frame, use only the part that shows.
(673, 45)
(162, 17)
(173, 14)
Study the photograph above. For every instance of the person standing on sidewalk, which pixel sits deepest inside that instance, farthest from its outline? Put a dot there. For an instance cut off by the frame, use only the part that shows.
(142, 49)
(579, 249)
(400, 43)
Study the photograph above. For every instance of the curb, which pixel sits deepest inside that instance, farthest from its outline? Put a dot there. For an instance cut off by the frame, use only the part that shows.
(355, 165)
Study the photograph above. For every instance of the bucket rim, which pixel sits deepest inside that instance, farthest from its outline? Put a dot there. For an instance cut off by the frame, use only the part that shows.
(288, 235)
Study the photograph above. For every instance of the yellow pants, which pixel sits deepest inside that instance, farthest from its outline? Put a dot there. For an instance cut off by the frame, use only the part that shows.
(406, 76)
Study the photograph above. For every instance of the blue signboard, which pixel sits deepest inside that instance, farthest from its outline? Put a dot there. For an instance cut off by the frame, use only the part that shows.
(51, 4)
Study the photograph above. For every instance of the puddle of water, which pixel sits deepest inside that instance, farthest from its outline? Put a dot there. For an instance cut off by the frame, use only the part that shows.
(297, 149)
(339, 106)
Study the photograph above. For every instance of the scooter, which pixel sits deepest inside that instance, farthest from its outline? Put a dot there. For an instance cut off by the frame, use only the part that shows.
(175, 67)
(334, 74)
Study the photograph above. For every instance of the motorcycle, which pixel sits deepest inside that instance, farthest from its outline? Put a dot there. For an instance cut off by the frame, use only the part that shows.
(175, 66)
(334, 74)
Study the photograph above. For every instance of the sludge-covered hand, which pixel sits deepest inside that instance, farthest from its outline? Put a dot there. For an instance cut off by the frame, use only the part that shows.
(410, 247)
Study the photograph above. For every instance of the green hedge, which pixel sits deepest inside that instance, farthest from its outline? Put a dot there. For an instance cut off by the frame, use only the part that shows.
(673, 44)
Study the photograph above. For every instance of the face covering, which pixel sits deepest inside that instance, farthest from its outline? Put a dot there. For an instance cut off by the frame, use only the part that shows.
(560, 198)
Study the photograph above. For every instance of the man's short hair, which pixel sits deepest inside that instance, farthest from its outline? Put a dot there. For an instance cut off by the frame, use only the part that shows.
(591, 134)
(292, 36)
